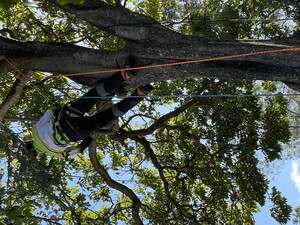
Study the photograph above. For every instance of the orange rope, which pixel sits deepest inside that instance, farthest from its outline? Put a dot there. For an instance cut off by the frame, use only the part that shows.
(19, 71)
(181, 62)
(24, 79)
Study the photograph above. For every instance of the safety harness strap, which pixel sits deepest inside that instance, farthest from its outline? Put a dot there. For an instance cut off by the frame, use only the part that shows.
(59, 135)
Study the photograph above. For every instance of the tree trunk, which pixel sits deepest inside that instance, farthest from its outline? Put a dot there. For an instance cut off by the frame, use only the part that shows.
(151, 43)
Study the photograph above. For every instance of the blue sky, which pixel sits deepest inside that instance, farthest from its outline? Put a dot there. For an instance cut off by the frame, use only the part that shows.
(287, 181)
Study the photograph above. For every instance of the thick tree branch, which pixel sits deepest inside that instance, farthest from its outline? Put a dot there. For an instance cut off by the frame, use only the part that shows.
(67, 58)
(57, 58)
(119, 21)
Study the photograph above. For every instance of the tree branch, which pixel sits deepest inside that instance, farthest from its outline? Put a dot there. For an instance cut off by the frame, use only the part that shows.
(160, 122)
(58, 58)
(13, 96)
(65, 58)
(160, 169)
(121, 22)
(123, 134)
(136, 203)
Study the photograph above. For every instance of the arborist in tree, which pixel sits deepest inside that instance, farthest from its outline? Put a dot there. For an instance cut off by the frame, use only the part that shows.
(67, 131)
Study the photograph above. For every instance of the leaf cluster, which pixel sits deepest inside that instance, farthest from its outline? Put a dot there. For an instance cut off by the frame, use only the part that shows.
(243, 19)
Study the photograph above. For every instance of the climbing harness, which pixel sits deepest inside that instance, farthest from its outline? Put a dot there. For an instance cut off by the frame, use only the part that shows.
(59, 136)
(61, 114)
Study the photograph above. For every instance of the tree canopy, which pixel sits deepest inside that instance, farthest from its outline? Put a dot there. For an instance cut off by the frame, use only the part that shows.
(174, 160)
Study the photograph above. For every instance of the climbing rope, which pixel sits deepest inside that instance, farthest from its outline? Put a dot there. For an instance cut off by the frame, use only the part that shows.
(181, 62)
(24, 79)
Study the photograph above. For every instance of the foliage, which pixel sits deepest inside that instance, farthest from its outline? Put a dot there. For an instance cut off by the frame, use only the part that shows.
(281, 210)
(296, 215)
(243, 19)
(198, 166)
